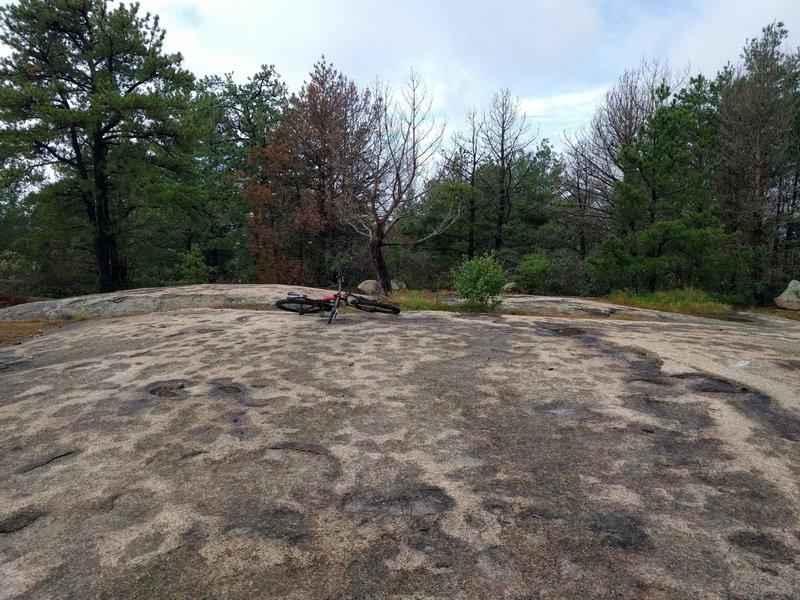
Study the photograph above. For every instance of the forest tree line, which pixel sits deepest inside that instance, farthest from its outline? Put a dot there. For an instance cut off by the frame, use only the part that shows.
(122, 169)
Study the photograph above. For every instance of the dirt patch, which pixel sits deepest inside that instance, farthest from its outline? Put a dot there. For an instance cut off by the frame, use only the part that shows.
(14, 333)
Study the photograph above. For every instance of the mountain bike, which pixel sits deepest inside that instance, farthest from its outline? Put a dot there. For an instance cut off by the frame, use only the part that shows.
(302, 304)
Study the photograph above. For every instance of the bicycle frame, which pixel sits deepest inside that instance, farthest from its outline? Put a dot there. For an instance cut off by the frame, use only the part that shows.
(337, 299)
(302, 304)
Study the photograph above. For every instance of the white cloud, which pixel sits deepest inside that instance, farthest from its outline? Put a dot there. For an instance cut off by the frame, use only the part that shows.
(565, 106)
(559, 113)
(718, 32)
(554, 55)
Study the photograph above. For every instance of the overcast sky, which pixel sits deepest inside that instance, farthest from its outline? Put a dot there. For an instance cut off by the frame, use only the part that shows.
(557, 56)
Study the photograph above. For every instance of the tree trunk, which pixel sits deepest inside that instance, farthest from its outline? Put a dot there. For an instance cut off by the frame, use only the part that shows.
(381, 270)
(113, 274)
(113, 271)
(471, 234)
(498, 229)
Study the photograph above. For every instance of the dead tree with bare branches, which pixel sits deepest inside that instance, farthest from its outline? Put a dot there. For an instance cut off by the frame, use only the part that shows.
(395, 164)
(506, 138)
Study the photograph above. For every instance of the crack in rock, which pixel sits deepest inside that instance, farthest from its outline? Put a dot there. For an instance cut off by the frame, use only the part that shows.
(46, 461)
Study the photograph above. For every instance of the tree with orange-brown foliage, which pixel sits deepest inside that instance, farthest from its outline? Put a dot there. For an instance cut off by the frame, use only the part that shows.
(302, 181)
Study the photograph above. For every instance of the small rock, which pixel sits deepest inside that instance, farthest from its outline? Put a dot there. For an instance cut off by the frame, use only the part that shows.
(790, 298)
(370, 286)
(398, 286)
(511, 288)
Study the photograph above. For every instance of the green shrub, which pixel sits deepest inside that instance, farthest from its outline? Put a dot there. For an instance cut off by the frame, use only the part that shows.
(193, 269)
(532, 272)
(16, 273)
(480, 280)
(552, 273)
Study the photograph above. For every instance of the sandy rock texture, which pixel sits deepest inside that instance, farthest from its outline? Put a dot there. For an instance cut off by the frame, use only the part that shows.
(240, 453)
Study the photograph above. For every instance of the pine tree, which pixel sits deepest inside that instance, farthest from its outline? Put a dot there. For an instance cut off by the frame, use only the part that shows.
(89, 99)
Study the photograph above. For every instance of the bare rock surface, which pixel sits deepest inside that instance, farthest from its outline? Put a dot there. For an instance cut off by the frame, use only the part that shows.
(216, 452)
(145, 300)
(263, 297)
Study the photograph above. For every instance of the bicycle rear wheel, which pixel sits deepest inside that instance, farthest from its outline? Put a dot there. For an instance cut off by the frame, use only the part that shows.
(375, 307)
(302, 306)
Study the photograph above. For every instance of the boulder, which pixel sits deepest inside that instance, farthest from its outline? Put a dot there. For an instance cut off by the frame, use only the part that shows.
(511, 288)
(790, 299)
(398, 286)
(370, 286)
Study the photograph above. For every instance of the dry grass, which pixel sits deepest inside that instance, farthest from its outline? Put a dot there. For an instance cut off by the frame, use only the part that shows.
(794, 315)
(14, 333)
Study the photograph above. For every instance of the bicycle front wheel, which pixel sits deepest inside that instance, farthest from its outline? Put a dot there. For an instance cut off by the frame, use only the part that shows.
(302, 306)
(375, 307)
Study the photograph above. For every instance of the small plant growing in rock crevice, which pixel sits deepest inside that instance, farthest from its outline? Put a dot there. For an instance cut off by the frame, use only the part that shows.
(479, 281)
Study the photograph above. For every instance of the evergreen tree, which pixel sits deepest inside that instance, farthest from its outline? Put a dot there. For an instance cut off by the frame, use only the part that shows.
(89, 100)
(666, 231)
(236, 121)
(759, 178)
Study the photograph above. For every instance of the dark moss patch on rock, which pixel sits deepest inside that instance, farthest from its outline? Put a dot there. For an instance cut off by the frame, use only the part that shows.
(167, 389)
(765, 545)
(626, 532)
(20, 520)
(413, 502)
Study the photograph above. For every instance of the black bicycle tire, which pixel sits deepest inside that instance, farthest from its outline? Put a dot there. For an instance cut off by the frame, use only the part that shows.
(375, 307)
(302, 306)
(334, 309)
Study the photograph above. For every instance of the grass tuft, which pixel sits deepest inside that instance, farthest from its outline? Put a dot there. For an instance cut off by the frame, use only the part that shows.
(425, 300)
(687, 301)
